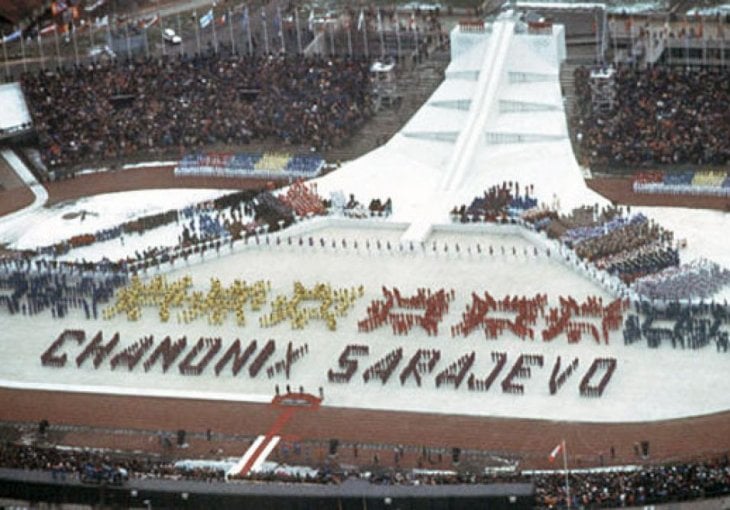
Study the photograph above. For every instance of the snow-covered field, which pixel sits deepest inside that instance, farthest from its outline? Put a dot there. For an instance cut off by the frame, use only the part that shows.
(90, 214)
(638, 391)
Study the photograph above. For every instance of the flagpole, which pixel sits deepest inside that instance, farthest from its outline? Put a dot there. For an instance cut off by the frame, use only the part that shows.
(91, 34)
(248, 32)
(109, 38)
(126, 37)
(266, 30)
(567, 479)
(179, 32)
(397, 35)
(595, 27)
(146, 44)
(382, 39)
(22, 52)
(299, 35)
(365, 39)
(215, 36)
(58, 48)
(162, 33)
(230, 30)
(349, 38)
(631, 38)
(40, 49)
(415, 30)
(197, 30)
(332, 39)
(281, 29)
(76, 47)
(5, 56)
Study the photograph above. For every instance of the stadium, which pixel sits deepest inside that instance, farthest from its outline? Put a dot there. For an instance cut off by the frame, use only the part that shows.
(264, 256)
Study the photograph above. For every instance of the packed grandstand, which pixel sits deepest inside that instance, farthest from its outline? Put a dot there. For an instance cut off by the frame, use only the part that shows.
(204, 295)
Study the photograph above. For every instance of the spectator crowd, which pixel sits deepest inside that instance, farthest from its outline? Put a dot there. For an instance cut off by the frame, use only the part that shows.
(117, 110)
(589, 489)
(662, 115)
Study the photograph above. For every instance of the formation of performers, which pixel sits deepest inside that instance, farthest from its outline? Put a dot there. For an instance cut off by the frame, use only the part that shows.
(693, 326)
(332, 303)
(192, 305)
(34, 287)
(497, 204)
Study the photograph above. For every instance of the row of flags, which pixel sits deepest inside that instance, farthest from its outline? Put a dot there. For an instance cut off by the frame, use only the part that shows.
(66, 24)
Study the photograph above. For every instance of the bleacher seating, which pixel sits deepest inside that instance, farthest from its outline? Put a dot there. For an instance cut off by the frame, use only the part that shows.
(267, 165)
(707, 182)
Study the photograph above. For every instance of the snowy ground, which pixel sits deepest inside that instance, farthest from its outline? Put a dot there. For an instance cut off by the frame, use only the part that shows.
(62, 221)
(705, 231)
(15, 112)
(638, 391)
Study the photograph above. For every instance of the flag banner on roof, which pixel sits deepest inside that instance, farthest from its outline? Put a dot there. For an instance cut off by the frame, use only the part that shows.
(206, 19)
(310, 21)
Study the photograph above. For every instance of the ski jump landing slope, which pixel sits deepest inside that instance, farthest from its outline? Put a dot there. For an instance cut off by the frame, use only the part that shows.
(498, 116)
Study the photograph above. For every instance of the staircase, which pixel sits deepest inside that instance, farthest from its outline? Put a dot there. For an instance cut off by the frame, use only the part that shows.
(567, 87)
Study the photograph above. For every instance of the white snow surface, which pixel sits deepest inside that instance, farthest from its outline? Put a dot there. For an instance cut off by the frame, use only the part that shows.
(48, 226)
(638, 391)
(12, 104)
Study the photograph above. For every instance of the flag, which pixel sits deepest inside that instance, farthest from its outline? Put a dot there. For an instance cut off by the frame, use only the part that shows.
(277, 22)
(380, 22)
(222, 20)
(58, 7)
(206, 19)
(360, 20)
(556, 451)
(94, 6)
(102, 22)
(310, 21)
(12, 37)
(48, 29)
(146, 23)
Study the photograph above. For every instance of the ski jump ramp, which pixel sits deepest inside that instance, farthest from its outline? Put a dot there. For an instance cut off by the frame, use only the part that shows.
(497, 116)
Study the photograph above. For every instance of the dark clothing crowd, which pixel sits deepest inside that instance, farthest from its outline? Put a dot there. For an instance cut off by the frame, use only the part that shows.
(103, 112)
(662, 115)
(639, 486)
(644, 486)
(34, 287)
